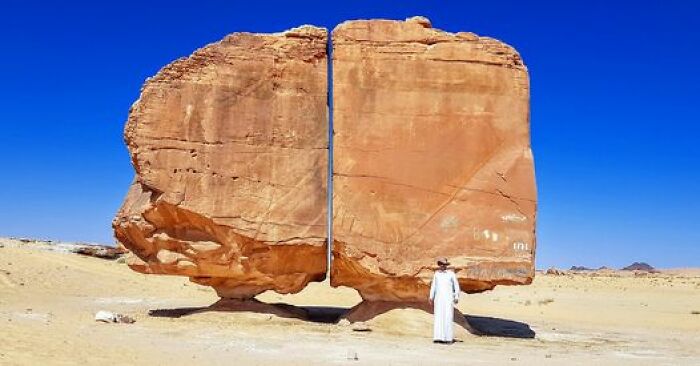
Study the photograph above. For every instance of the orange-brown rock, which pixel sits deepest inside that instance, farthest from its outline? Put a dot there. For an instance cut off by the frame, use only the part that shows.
(230, 151)
(432, 158)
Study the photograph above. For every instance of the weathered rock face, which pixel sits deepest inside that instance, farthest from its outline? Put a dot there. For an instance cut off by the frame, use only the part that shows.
(432, 158)
(230, 151)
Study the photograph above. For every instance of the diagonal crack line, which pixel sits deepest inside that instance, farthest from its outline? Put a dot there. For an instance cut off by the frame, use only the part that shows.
(387, 180)
(511, 199)
(500, 193)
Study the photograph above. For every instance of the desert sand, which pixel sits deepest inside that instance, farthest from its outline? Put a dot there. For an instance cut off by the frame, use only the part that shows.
(49, 297)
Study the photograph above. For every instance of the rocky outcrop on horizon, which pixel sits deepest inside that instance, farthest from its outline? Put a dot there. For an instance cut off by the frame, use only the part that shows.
(230, 151)
(431, 158)
(580, 268)
(639, 266)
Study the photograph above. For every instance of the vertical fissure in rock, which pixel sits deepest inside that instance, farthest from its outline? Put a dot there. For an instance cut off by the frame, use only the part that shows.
(329, 183)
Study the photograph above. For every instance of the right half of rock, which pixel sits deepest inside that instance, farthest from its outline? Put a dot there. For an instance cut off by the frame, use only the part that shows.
(432, 158)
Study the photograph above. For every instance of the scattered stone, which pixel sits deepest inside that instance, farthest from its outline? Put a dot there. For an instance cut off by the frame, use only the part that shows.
(352, 355)
(110, 317)
(555, 272)
(695, 312)
(105, 316)
(361, 327)
(344, 322)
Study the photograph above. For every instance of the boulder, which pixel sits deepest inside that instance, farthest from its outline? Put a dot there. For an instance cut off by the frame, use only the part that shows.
(230, 146)
(555, 272)
(110, 317)
(99, 251)
(431, 158)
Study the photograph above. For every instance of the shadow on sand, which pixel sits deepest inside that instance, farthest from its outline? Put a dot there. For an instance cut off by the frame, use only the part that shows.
(362, 312)
(497, 327)
(316, 314)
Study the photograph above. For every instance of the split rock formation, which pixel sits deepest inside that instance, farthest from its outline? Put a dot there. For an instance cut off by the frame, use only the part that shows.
(432, 158)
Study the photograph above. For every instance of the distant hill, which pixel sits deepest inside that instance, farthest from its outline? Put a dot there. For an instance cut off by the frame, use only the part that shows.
(580, 268)
(639, 266)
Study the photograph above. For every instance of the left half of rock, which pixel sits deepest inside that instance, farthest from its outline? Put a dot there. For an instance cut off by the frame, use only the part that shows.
(230, 151)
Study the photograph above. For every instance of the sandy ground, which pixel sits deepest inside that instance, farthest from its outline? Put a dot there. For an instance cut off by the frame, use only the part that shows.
(48, 300)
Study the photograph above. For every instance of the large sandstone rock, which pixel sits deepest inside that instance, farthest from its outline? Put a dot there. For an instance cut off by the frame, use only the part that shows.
(230, 151)
(432, 158)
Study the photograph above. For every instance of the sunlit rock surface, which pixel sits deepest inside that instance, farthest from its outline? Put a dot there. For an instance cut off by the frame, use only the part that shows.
(432, 158)
(229, 146)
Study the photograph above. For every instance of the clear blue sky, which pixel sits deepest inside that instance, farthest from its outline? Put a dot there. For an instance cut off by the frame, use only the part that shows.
(615, 126)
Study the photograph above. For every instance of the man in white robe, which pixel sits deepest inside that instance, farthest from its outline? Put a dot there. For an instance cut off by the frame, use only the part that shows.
(444, 294)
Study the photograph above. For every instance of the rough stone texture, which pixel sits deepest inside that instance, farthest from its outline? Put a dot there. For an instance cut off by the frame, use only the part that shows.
(432, 158)
(230, 151)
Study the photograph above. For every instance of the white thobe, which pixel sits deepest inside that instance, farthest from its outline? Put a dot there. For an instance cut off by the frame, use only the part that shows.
(444, 292)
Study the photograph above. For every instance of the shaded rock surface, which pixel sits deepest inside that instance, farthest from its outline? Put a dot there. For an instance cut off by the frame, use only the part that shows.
(229, 146)
(431, 158)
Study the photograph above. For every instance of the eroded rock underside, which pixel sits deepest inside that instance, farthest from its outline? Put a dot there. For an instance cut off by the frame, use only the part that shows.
(230, 151)
(432, 158)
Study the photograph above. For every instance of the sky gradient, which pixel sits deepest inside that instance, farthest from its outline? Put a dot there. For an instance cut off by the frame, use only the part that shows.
(614, 110)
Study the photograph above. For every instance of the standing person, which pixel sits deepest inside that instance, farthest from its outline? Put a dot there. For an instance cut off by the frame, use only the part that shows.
(444, 294)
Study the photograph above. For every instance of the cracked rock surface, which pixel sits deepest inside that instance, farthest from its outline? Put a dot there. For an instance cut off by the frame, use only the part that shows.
(431, 158)
(229, 146)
